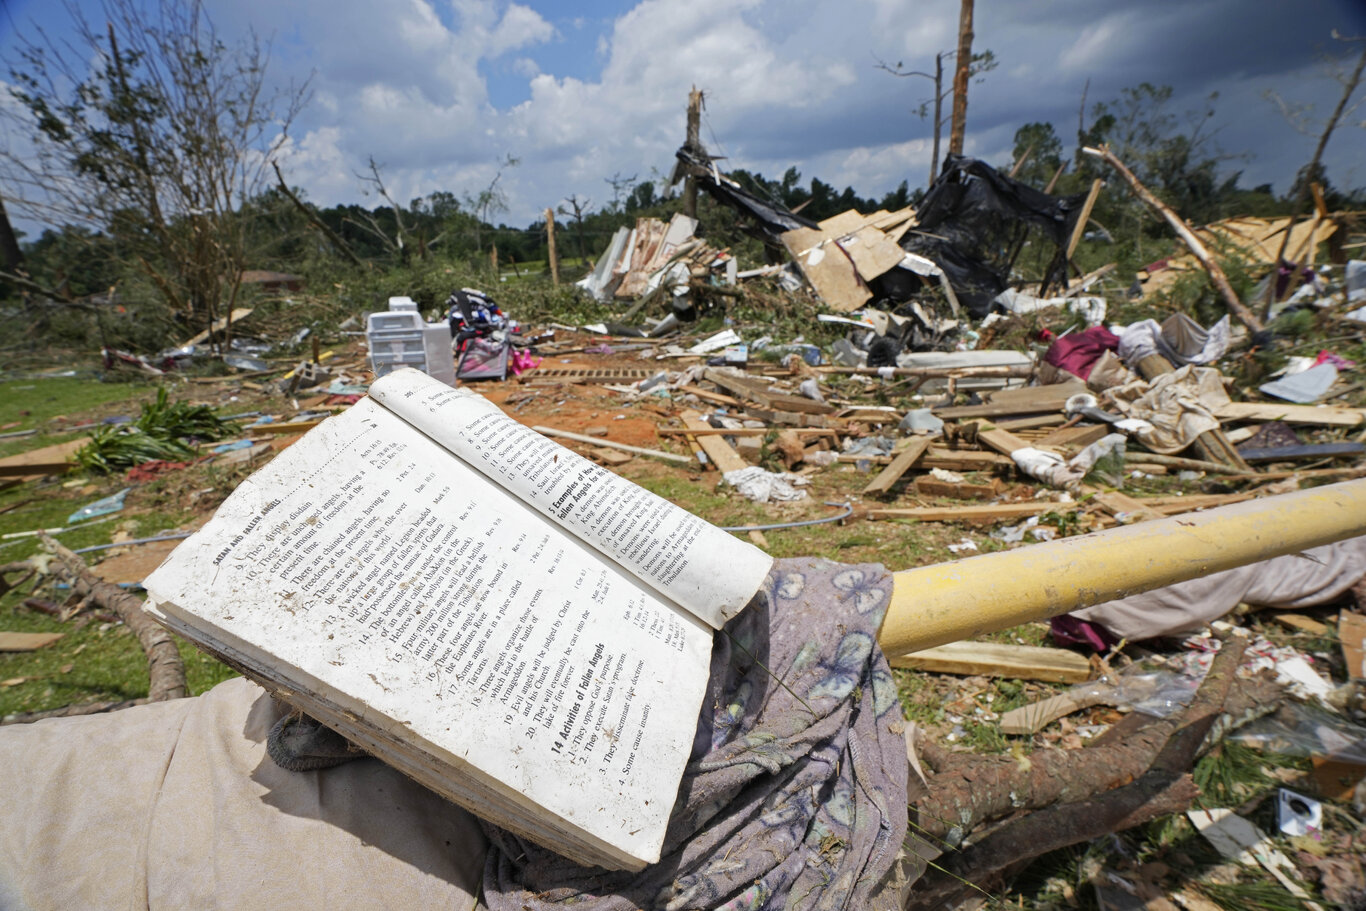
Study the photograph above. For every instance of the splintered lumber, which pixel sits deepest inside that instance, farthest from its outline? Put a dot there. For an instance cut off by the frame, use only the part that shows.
(900, 465)
(932, 605)
(998, 659)
(1032, 718)
(26, 642)
(962, 460)
(721, 453)
(994, 512)
(599, 441)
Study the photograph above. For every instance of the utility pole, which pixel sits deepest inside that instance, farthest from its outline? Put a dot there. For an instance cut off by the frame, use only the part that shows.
(960, 78)
(693, 144)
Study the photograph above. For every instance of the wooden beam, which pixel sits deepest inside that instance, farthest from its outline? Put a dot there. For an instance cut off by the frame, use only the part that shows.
(900, 465)
(721, 453)
(997, 659)
(1080, 228)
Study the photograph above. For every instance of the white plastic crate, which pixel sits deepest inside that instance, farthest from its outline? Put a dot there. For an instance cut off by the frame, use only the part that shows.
(400, 338)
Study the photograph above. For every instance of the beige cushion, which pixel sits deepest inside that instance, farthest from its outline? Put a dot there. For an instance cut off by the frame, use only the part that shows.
(176, 805)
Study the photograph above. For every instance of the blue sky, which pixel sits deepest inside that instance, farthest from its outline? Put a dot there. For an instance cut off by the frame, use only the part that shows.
(439, 91)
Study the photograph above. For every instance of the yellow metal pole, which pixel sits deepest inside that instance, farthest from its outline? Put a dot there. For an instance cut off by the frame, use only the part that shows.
(932, 605)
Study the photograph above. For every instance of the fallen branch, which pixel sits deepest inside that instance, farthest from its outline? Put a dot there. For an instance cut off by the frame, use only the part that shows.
(1078, 794)
(1183, 230)
(166, 672)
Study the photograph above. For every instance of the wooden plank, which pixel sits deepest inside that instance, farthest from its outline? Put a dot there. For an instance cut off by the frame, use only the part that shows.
(721, 454)
(1324, 416)
(38, 463)
(1027, 400)
(990, 513)
(1352, 634)
(1003, 441)
(1032, 718)
(1302, 624)
(1084, 217)
(218, 325)
(715, 398)
(900, 465)
(26, 642)
(1038, 420)
(288, 427)
(997, 659)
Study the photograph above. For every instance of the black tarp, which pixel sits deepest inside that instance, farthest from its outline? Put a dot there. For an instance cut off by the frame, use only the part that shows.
(974, 221)
(772, 219)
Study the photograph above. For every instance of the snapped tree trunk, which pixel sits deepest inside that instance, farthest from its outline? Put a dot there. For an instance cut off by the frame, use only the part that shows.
(960, 78)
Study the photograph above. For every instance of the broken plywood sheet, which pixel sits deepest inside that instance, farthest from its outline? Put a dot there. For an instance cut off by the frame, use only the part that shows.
(831, 273)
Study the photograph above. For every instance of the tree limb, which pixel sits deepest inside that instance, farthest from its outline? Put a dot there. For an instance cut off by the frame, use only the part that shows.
(313, 219)
(1183, 230)
(166, 672)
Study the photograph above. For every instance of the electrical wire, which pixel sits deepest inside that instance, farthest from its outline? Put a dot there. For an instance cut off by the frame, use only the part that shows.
(847, 507)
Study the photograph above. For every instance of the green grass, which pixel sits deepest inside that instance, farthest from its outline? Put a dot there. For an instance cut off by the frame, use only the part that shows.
(33, 402)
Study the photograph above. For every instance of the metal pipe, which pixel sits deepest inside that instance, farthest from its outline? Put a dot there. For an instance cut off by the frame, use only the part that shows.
(932, 605)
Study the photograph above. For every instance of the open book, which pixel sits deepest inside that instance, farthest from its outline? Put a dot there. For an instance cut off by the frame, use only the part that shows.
(513, 626)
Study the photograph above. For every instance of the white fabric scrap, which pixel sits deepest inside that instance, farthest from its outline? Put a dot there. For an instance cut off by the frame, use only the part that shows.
(1052, 469)
(763, 486)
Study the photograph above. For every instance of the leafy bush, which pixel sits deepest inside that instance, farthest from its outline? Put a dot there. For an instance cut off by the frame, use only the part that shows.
(163, 431)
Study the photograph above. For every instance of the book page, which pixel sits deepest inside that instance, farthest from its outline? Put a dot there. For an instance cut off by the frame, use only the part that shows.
(367, 563)
(707, 571)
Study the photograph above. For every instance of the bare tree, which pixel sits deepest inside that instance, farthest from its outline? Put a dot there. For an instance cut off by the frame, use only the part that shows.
(621, 188)
(374, 183)
(490, 201)
(979, 64)
(154, 131)
(577, 208)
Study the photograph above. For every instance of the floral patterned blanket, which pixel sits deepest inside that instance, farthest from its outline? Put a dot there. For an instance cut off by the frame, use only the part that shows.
(795, 794)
